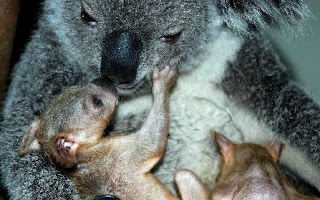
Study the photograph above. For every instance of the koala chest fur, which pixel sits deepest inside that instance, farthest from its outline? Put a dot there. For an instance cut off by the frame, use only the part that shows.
(194, 109)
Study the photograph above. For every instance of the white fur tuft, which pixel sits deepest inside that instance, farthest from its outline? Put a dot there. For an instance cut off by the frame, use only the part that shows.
(244, 16)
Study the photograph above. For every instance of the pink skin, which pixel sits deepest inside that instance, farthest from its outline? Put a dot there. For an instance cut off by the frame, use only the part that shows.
(248, 172)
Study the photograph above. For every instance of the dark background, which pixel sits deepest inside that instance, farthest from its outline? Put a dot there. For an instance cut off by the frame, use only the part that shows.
(29, 10)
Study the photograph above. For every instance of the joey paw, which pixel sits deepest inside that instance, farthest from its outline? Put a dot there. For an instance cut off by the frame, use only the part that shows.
(164, 79)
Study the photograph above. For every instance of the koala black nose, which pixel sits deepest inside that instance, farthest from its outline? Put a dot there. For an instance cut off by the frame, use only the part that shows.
(120, 58)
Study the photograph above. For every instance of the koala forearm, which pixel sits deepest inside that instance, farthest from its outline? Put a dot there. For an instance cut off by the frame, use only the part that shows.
(297, 119)
(265, 90)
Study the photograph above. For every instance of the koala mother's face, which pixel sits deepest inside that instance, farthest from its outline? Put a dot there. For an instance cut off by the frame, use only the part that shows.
(125, 40)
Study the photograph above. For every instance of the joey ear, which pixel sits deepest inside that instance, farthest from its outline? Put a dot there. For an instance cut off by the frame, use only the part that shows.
(275, 149)
(224, 144)
(65, 150)
(29, 142)
(190, 186)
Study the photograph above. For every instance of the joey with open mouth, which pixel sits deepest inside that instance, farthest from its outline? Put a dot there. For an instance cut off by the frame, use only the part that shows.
(70, 132)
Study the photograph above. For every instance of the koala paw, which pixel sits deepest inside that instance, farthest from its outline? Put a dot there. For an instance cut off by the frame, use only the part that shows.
(163, 80)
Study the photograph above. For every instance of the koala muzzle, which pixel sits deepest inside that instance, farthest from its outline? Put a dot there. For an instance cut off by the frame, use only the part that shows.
(121, 56)
(105, 83)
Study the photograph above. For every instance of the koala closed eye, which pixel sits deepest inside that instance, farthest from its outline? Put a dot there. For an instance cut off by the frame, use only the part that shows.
(87, 19)
(171, 37)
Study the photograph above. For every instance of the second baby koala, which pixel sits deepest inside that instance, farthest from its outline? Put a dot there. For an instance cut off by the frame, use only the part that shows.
(70, 131)
(248, 172)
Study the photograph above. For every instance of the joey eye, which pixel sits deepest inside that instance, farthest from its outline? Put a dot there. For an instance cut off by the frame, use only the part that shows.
(171, 38)
(96, 102)
(87, 19)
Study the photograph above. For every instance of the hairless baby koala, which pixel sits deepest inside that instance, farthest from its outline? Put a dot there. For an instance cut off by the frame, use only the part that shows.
(70, 132)
(249, 172)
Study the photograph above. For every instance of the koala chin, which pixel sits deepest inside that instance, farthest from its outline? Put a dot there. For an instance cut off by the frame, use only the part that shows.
(231, 79)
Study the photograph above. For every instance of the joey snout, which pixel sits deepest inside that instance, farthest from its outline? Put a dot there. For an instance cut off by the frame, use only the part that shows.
(105, 83)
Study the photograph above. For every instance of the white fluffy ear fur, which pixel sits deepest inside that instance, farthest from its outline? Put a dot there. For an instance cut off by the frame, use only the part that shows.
(245, 15)
(29, 141)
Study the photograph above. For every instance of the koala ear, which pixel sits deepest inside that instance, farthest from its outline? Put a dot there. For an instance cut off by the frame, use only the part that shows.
(29, 142)
(245, 15)
(275, 149)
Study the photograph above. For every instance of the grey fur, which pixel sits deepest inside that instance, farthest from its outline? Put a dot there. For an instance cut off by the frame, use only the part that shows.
(224, 81)
(243, 16)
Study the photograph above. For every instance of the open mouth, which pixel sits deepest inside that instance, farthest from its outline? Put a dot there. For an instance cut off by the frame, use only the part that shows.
(64, 145)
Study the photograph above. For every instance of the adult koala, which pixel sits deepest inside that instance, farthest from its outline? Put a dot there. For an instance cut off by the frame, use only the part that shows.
(230, 79)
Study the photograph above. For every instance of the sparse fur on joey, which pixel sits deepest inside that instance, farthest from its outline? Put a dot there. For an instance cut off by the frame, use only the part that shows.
(231, 79)
(248, 172)
(70, 131)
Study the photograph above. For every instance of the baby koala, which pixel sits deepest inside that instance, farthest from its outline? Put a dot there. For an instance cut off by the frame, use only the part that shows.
(248, 172)
(70, 131)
